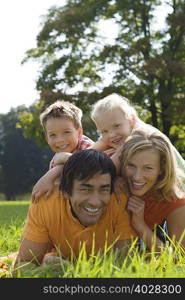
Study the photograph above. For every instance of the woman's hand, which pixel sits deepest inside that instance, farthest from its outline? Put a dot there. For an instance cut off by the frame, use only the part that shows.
(137, 206)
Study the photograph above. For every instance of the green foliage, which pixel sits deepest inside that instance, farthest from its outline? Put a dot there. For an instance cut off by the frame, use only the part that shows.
(178, 133)
(143, 62)
(22, 162)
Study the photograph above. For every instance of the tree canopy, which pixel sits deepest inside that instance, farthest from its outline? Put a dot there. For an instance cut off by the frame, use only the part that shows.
(142, 61)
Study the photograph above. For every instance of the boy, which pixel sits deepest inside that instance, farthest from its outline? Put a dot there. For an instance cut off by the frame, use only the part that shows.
(62, 126)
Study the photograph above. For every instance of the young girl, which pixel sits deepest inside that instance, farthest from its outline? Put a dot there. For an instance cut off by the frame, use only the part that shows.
(154, 183)
(115, 118)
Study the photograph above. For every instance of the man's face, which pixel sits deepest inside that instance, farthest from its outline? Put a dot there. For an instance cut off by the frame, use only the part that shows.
(90, 198)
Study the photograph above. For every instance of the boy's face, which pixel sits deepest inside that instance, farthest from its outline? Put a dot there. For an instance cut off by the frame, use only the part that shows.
(114, 127)
(90, 198)
(61, 135)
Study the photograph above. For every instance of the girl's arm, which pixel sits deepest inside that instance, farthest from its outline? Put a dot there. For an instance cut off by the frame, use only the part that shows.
(176, 225)
(99, 145)
(116, 161)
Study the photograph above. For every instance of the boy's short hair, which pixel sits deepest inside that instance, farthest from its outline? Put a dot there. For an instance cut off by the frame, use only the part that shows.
(62, 109)
(111, 102)
(84, 165)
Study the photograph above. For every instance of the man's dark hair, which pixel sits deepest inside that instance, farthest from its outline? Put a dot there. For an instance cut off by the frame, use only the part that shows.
(84, 165)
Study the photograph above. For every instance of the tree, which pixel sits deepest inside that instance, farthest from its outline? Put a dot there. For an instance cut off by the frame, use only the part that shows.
(146, 64)
(22, 162)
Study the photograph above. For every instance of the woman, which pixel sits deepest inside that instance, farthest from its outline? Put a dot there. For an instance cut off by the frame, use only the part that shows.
(155, 185)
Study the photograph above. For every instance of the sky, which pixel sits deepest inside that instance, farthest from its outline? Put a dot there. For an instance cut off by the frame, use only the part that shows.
(19, 25)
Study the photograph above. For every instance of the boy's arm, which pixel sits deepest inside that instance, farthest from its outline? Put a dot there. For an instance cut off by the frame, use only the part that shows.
(46, 183)
(59, 159)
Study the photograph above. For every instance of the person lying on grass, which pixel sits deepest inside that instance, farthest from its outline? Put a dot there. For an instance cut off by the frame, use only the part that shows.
(154, 184)
(83, 210)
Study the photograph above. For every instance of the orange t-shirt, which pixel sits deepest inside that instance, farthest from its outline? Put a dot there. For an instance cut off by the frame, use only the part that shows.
(51, 221)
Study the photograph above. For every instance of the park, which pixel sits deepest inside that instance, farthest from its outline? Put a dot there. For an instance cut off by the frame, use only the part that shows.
(144, 64)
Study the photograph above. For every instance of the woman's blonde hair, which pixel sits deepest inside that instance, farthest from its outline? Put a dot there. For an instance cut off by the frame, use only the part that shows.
(111, 102)
(169, 182)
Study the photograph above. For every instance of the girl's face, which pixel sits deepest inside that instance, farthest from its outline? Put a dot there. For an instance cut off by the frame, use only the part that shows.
(114, 128)
(142, 171)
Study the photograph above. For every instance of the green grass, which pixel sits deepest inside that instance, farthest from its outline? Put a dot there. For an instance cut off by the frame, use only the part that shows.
(170, 264)
(12, 217)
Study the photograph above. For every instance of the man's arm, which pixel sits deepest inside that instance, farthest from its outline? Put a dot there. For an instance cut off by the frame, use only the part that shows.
(30, 251)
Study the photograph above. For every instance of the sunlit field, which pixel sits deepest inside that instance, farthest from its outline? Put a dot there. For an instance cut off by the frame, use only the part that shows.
(171, 263)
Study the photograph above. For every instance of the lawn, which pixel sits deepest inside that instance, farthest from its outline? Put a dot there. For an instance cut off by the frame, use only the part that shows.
(12, 217)
(170, 264)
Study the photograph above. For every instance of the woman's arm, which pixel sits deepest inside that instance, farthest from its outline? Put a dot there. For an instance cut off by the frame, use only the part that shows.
(176, 224)
(136, 206)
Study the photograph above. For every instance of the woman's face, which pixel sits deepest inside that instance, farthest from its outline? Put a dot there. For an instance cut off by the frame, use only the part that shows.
(142, 171)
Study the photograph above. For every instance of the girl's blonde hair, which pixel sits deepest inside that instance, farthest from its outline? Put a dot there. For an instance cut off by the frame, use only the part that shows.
(169, 183)
(111, 102)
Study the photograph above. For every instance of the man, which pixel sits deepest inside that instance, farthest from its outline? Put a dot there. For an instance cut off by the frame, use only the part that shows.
(82, 211)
